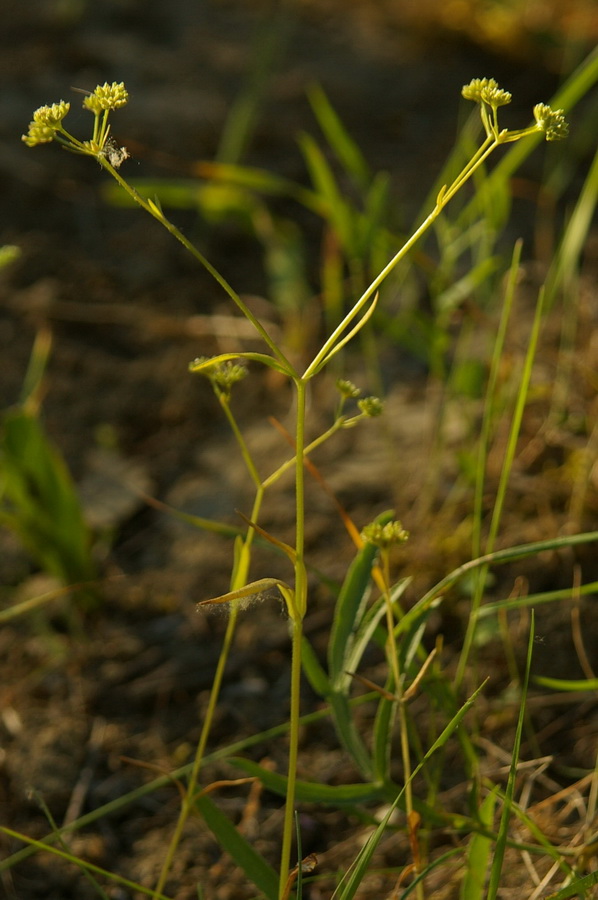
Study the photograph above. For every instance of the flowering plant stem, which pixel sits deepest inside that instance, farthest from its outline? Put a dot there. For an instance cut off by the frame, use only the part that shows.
(154, 210)
(46, 126)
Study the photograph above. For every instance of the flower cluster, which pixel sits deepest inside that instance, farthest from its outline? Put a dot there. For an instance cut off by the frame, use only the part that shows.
(46, 124)
(551, 122)
(347, 389)
(106, 96)
(385, 536)
(486, 90)
(222, 375)
(47, 120)
(490, 96)
(371, 407)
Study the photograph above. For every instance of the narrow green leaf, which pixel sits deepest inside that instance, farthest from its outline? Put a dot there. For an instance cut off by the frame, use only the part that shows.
(311, 792)
(336, 210)
(568, 684)
(349, 610)
(348, 733)
(314, 672)
(347, 151)
(503, 831)
(370, 621)
(132, 886)
(40, 501)
(360, 867)
(230, 839)
(472, 886)
(576, 888)
(358, 870)
(383, 731)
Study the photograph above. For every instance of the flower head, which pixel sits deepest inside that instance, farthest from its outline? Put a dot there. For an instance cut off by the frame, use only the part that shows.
(46, 122)
(222, 374)
(371, 407)
(385, 536)
(486, 90)
(551, 122)
(106, 96)
(347, 389)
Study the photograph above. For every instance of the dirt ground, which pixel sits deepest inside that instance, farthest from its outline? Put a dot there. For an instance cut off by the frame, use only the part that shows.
(128, 312)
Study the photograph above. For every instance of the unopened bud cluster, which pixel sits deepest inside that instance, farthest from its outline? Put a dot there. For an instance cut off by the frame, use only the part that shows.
(384, 536)
(222, 375)
(490, 96)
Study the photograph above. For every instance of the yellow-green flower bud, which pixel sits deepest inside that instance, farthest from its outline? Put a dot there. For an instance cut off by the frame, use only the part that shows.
(551, 122)
(347, 389)
(38, 134)
(222, 375)
(486, 90)
(53, 115)
(384, 536)
(46, 122)
(371, 407)
(106, 96)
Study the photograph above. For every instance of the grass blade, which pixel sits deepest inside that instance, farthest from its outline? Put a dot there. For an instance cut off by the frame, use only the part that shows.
(312, 792)
(83, 864)
(361, 863)
(349, 611)
(472, 886)
(503, 830)
(253, 863)
(347, 152)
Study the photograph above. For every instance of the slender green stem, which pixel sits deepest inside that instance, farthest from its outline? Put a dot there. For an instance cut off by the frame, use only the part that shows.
(301, 582)
(502, 486)
(297, 635)
(393, 660)
(444, 196)
(294, 720)
(240, 577)
(188, 803)
(337, 425)
(157, 214)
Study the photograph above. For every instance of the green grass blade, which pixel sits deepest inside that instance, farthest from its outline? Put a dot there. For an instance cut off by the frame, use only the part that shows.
(563, 684)
(348, 733)
(336, 209)
(386, 715)
(503, 831)
(230, 839)
(314, 672)
(368, 625)
(347, 151)
(491, 609)
(360, 866)
(162, 781)
(40, 501)
(349, 611)
(574, 239)
(83, 864)
(472, 886)
(498, 558)
(312, 792)
(576, 888)
(244, 113)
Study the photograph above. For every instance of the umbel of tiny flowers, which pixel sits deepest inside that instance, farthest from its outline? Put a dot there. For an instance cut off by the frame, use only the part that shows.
(384, 536)
(491, 96)
(222, 375)
(47, 124)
